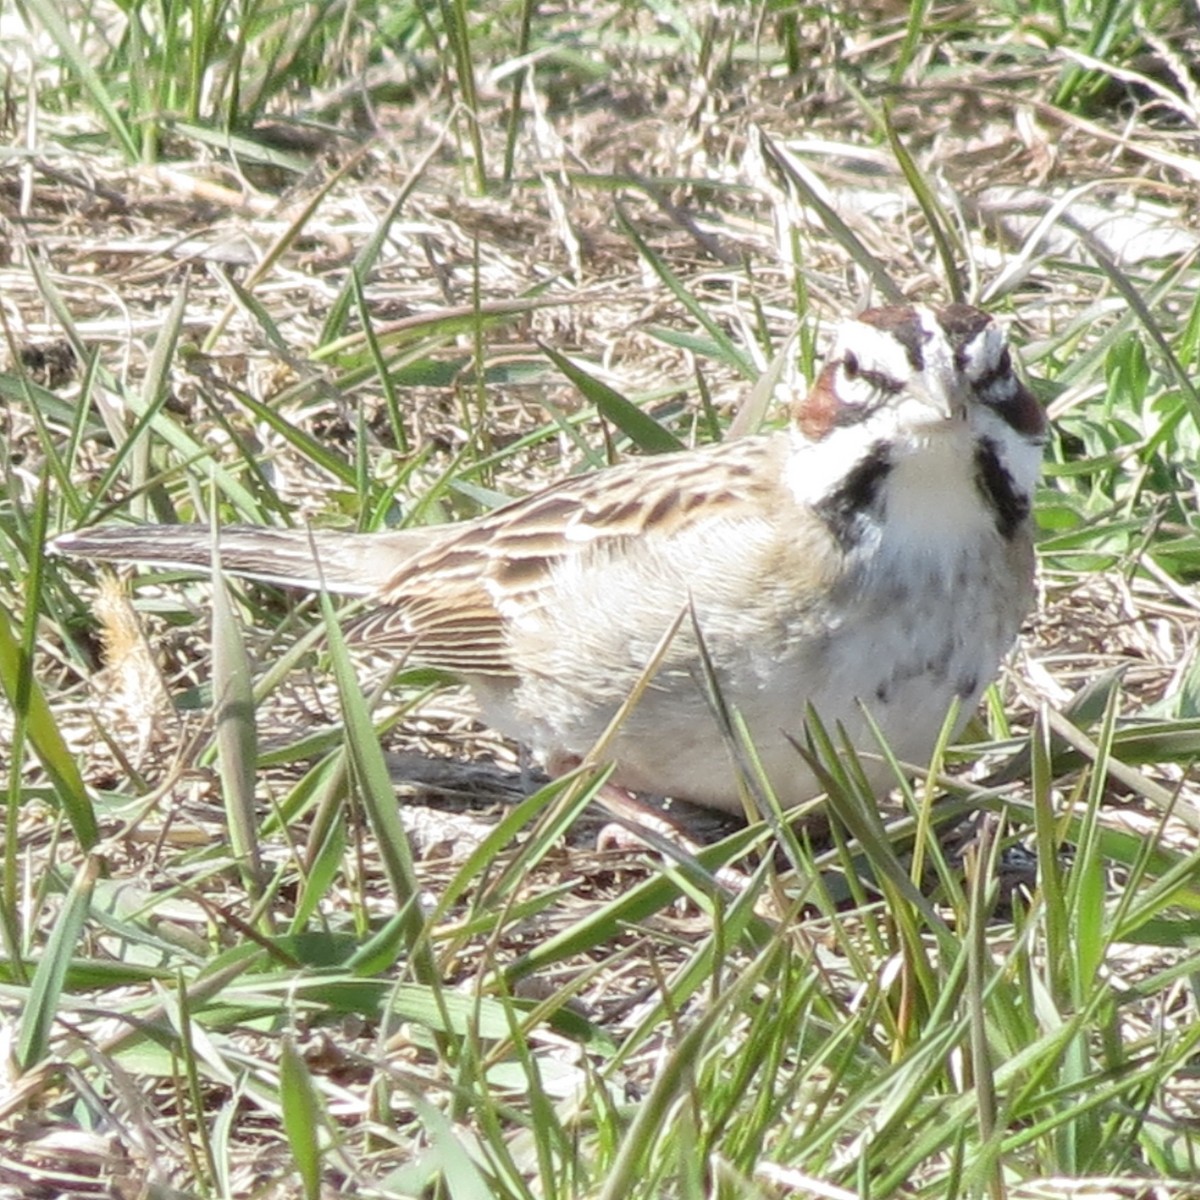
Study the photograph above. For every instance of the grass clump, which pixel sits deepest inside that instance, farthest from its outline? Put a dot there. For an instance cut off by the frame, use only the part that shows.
(510, 245)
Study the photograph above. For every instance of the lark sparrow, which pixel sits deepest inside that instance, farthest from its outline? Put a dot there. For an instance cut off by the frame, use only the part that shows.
(877, 554)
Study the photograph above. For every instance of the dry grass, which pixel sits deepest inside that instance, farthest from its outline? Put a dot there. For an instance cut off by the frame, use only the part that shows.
(659, 131)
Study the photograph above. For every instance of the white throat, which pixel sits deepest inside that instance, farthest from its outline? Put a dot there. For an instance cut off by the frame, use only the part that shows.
(931, 501)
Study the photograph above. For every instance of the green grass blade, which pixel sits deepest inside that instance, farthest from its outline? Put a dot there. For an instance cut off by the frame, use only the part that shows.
(935, 216)
(301, 1109)
(33, 1040)
(379, 797)
(29, 703)
(794, 180)
(50, 16)
(641, 428)
(236, 735)
(729, 353)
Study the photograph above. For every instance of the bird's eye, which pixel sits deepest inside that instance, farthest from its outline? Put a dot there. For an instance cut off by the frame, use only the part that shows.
(850, 364)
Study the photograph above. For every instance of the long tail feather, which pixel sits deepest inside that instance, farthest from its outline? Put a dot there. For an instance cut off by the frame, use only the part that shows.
(351, 564)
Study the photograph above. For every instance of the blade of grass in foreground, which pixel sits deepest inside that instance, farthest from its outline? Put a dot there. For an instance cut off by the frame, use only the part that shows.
(46, 989)
(675, 1075)
(722, 345)
(641, 428)
(35, 717)
(49, 14)
(236, 736)
(794, 180)
(379, 798)
(935, 214)
(301, 1116)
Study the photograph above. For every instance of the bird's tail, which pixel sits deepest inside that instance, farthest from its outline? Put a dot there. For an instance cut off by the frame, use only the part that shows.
(347, 563)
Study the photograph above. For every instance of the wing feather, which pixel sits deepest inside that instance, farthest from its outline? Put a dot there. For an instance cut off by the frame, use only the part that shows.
(453, 605)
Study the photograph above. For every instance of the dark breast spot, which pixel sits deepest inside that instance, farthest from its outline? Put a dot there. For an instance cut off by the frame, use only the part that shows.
(937, 665)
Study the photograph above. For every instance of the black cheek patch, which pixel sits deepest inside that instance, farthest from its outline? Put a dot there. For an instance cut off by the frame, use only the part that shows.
(994, 386)
(846, 509)
(995, 484)
(1022, 412)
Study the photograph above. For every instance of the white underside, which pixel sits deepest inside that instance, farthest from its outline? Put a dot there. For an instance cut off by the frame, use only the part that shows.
(921, 616)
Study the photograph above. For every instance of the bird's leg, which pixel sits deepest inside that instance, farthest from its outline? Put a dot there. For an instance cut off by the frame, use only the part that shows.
(638, 825)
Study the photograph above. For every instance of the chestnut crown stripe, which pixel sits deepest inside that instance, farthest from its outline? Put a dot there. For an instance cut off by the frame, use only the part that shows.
(904, 324)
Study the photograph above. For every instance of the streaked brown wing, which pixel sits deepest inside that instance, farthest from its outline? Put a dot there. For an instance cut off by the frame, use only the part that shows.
(450, 606)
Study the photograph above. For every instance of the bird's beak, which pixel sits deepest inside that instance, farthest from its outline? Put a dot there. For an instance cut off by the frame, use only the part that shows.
(939, 403)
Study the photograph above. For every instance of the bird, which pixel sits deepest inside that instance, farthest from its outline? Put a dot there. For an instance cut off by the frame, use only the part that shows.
(871, 562)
